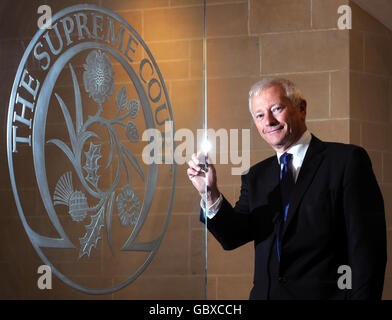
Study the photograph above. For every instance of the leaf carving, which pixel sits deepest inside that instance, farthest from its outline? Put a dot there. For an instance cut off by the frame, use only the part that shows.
(93, 233)
(131, 132)
(133, 108)
(109, 221)
(121, 99)
(78, 101)
(64, 148)
(68, 122)
(112, 150)
(91, 166)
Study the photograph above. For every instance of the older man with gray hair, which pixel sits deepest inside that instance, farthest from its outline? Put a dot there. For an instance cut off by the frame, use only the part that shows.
(312, 210)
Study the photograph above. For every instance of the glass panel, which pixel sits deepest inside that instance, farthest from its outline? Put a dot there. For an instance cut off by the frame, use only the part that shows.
(233, 66)
(99, 183)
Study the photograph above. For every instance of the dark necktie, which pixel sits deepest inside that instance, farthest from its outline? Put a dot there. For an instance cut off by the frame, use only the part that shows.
(286, 186)
(286, 181)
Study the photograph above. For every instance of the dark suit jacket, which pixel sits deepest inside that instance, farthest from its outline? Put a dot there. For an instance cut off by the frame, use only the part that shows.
(336, 217)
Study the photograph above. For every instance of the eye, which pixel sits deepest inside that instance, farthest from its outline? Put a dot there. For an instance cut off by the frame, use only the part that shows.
(259, 116)
(277, 109)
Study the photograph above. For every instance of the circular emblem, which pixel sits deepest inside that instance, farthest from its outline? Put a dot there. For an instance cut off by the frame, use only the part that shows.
(85, 93)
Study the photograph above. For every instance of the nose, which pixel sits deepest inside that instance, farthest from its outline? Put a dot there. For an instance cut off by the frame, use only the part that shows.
(270, 119)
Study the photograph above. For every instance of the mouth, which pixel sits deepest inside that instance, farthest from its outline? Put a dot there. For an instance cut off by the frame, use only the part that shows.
(275, 130)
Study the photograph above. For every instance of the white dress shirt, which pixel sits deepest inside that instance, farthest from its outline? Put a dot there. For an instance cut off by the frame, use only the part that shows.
(298, 150)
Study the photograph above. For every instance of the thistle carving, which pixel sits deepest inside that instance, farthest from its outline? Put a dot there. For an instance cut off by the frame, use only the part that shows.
(98, 79)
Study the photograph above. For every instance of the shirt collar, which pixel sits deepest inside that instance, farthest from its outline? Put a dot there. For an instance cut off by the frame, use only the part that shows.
(298, 150)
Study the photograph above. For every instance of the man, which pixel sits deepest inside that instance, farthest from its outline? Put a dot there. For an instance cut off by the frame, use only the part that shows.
(312, 208)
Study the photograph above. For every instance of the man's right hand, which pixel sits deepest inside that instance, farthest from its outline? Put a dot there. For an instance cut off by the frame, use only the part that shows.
(199, 176)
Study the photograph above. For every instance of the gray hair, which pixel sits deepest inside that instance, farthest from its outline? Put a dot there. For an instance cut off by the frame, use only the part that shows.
(292, 92)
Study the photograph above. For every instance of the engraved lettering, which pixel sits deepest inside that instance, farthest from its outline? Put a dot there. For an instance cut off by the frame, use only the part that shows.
(49, 41)
(42, 55)
(158, 96)
(142, 64)
(68, 28)
(97, 25)
(130, 40)
(28, 85)
(16, 139)
(82, 26)
(21, 118)
(113, 38)
(157, 110)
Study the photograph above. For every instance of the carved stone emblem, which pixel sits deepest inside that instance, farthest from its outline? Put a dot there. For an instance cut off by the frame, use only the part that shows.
(84, 93)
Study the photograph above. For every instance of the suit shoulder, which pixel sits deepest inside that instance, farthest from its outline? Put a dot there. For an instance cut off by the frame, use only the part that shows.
(343, 148)
(261, 165)
(341, 153)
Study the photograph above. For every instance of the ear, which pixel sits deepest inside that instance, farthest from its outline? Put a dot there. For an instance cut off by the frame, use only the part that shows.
(302, 109)
(302, 106)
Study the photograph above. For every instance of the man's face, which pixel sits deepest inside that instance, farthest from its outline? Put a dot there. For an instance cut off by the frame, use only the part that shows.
(279, 123)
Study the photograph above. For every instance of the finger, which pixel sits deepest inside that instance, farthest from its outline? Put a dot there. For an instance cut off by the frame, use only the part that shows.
(192, 173)
(195, 158)
(196, 171)
(192, 165)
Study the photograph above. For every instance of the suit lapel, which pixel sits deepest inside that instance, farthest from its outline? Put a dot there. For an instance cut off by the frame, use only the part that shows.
(266, 202)
(267, 183)
(309, 167)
